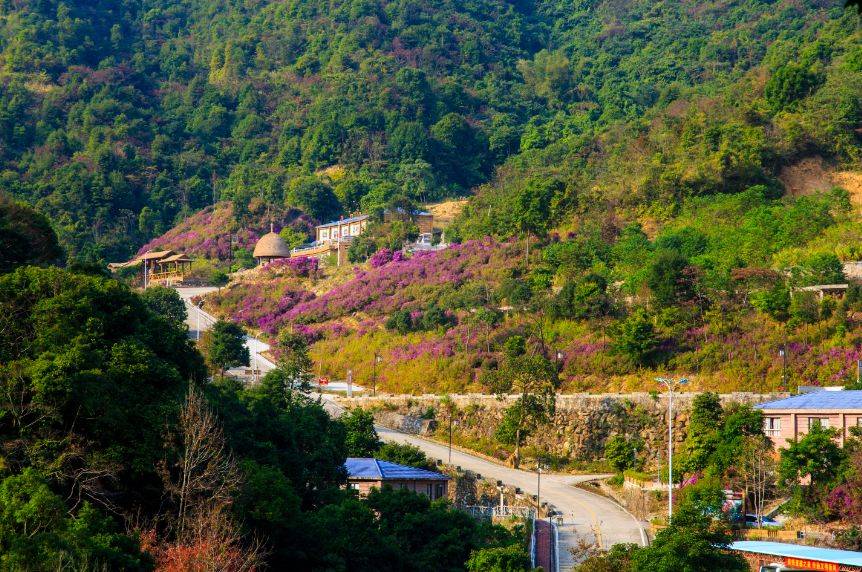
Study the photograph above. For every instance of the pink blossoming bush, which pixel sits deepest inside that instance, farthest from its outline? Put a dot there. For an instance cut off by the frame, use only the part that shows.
(259, 305)
(207, 233)
(302, 266)
(416, 281)
(385, 256)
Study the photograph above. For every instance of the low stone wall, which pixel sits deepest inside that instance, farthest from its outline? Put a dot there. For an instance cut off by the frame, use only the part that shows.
(581, 426)
(412, 424)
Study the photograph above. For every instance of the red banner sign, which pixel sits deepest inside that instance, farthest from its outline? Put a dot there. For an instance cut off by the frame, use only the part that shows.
(811, 564)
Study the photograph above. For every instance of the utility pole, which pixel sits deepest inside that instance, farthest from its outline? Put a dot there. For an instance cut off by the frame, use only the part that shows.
(670, 383)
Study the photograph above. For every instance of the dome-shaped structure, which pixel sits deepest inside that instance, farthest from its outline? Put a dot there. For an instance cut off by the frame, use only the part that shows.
(270, 247)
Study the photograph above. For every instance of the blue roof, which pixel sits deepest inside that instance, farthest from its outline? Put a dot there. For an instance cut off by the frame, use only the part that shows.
(832, 555)
(368, 468)
(846, 399)
(356, 218)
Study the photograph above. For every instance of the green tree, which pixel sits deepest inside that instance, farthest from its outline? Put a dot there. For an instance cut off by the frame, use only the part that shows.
(741, 423)
(510, 558)
(816, 455)
(313, 197)
(26, 237)
(702, 437)
(165, 302)
(789, 83)
(224, 346)
(586, 298)
(37, 533)
(621, 453)
(636, 337)
(666, 278)
(404, 454)
(96, 377)
(694, 540)
(534, 380)
(361, 438)
(294, 363)
(774, 302)
(293, 237)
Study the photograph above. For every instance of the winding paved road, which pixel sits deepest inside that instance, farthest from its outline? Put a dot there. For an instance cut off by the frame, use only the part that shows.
(585, 515)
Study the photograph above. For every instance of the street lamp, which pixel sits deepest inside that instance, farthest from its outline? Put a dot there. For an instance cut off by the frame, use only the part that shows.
(377, 359)
(670, 383)
(538, 488)
(450, 436)
(501, 488)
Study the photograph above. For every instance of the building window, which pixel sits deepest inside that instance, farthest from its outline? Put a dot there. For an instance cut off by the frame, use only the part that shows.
(354, 486)
(772, 426)
(821, 422)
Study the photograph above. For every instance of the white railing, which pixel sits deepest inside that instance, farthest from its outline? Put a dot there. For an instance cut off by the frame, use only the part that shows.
(533, 543)
(488, 512)
(202, 320)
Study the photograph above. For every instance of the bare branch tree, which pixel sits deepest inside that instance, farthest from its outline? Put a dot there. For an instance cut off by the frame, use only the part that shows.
(205, 475)
(757, 471)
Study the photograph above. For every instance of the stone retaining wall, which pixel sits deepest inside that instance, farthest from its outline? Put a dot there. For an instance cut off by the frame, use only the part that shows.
(582, 423)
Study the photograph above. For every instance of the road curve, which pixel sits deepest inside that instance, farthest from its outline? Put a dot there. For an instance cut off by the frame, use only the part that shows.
(586, 515)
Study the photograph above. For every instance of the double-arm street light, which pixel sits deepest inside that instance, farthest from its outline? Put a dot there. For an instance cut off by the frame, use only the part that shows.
(671, 384)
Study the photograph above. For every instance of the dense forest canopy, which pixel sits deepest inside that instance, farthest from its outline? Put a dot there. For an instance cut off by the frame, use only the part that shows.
(118, 118)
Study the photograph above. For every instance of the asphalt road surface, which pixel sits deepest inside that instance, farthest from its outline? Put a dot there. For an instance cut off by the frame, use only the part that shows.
(586, 516)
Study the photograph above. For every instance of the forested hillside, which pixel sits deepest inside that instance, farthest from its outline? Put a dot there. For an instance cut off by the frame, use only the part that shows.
(118, 118)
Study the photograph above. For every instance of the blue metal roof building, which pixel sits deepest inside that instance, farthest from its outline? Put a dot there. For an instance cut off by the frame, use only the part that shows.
(374, 469)
(357, 218)
(799, 557)
(835, 400)
(364, 474)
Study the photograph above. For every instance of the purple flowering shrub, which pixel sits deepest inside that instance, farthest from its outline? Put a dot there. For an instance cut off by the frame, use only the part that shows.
(412, 282)
(385, 256)
(207, 233)
(302, 266)
(259, 305)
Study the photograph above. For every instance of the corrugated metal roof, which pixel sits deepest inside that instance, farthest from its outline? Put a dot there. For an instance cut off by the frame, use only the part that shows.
(368, 468)
(847, 399)
(832, 555)
(345, 220)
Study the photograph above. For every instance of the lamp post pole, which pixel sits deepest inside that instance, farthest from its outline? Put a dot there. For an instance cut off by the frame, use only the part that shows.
(538, 488)
(450, 436)
(670, 383)
(374, 374)
(550, 541)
